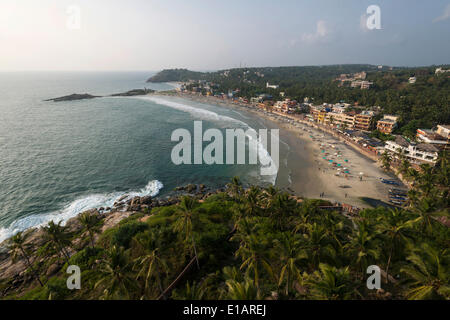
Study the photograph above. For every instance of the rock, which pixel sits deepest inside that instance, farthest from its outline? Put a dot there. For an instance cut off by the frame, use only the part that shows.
(118, 204)
(134, 207)
(135, 201)
(146, 200)
(121, 198)
(191, 188)
(72, 97)
(53, 269)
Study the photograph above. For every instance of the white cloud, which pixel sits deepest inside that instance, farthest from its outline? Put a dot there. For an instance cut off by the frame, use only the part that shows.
(322, 32)
(445, 15)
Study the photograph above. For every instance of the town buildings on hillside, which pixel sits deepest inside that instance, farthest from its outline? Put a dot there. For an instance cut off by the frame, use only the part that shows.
(387, 124)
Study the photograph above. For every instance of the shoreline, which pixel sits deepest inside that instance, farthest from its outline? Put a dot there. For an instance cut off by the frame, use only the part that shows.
(316, 175)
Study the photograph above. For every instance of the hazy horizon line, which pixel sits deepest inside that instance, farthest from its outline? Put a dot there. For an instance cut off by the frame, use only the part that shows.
(230, 68)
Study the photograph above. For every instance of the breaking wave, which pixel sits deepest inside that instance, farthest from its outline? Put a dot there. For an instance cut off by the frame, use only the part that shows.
(77, 206)
(207, 115)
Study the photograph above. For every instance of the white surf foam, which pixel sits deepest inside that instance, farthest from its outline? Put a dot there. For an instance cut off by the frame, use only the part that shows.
(76, 207)
(207, 115)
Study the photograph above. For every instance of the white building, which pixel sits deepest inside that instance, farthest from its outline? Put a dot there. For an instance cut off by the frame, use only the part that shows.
(412, 80)
(415, 153)
(440, 70)
(272, 86)
(339, 108)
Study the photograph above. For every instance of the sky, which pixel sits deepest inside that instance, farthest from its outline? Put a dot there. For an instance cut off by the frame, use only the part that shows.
(150, 35)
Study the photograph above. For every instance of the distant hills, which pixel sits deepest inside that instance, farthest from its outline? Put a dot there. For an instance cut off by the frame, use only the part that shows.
(171, 75)
(293, 73)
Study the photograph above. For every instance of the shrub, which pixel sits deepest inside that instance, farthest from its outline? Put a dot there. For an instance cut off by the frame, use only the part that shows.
(126, 232)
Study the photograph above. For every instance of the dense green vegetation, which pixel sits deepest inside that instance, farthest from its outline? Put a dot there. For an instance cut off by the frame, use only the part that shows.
(255, 244)
(176, 75)
(420, 105)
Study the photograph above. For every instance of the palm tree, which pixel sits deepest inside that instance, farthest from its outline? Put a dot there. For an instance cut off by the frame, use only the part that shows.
(236, 187)
(331, 283)
(115, 275)
(425, 209)
(428, 274)
(194, 291)
(18, 247)
(252, 200)
(251, 252)
(394, 224)
(404, 168)
(426, 180)
(386, 160)
(290, 253)
(362, 248)
(59, 237)
(318, 245)
(246, 290)
(91, 224)
(151, 265)
(184, 222)
(281, 207)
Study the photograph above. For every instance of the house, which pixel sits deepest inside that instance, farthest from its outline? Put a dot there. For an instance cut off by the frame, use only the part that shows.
(387, 124)
(339, 108)
(361, 84)
(415, 153)
(271, 86)
(360, 75)
(443, 130)
(412, 80)
(432, 137)
(363, 120)
(341, 120)
(440, 70)
(286, 106)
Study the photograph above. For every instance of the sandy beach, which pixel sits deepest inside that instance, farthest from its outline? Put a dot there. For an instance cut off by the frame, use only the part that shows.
(320, 166)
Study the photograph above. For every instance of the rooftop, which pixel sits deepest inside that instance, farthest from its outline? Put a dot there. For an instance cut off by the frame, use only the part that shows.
(401, 141)
(427, 147)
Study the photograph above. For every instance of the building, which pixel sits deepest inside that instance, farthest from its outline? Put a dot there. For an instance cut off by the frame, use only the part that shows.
(340, 120)
(412, 80)
(415, 153)
(387, 124)
(286, 106)
(440, 70)
(271, 86)
(339, 108)
(361, 84)
(443, 130)
(363, 120)
(440, 141)
(360, 75)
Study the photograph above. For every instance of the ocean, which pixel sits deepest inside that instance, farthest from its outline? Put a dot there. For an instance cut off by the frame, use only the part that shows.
(59, 159)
